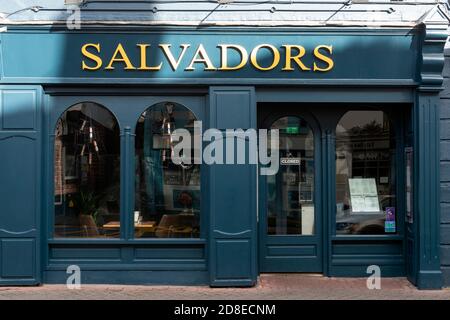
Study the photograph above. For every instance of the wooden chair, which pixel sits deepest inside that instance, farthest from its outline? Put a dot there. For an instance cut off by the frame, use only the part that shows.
(175, 225)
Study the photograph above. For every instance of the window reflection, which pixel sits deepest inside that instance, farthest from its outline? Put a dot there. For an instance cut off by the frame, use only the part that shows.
(87, 169)
(365, 174)
(291, 190)
(167, 195)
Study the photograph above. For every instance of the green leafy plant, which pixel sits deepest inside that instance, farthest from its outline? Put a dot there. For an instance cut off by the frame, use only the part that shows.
(87, 203)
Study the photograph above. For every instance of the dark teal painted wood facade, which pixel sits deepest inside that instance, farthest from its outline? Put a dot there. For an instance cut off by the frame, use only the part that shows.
(21, 125)
(232, 210)
(445, 171)
(399, 68)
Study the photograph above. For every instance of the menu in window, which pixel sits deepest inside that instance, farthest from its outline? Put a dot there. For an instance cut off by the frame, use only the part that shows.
(364, 195)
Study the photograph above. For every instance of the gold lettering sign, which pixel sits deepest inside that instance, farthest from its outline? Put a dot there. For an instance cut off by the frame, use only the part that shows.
(264, 57)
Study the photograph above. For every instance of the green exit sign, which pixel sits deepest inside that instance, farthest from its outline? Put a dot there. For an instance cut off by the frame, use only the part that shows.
(292, 130)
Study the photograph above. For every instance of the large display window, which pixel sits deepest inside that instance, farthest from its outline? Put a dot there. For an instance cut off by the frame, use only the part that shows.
(167, 202)
(365, 174)
(87, 173)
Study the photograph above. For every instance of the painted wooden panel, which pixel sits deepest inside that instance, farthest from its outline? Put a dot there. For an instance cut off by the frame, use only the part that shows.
(287, 250)
(18, 109)
(17, 258)
(169, 252)
(135, 277)
(85, 253)
(235, 252)
(229, 104)
(231, 199)
(232, 249)
(351, 258)
(365, 260)
(19, 188)
(20, 185)
(120, 255)
(387, 248)
(362, 261)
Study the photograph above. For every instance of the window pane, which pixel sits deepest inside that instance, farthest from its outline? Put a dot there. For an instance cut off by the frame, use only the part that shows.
(87, 173)
(291, 190)
(365, 174)
(167, 195)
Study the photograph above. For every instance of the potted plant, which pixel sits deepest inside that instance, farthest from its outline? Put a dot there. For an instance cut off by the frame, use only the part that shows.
(87, 204)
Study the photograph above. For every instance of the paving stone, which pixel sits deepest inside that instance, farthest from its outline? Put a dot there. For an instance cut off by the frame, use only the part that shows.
(270, 286)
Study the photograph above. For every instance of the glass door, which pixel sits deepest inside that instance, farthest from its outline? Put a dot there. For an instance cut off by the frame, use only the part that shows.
(290, 223)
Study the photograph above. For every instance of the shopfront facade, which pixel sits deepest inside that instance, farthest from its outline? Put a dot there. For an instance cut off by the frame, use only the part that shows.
(86, 152)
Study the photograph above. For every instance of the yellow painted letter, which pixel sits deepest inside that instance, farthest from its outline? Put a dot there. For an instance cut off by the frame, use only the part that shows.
(224, 56)
(289, 57)
(323, 58)
(120, 51)
(275, 61)
(143, 65)
(93, 57)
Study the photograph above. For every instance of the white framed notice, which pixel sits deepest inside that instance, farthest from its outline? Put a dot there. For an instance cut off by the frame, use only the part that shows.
(364, 195)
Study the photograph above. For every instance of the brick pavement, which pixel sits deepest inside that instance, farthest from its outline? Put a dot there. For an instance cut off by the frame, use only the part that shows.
(270, 286)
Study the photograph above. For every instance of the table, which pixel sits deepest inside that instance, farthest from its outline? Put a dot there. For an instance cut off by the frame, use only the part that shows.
(141, 227)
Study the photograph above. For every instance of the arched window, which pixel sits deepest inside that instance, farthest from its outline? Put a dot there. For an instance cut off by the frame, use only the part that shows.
(167, 202)
(87, 173)
(365, 174)
(291, 191)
